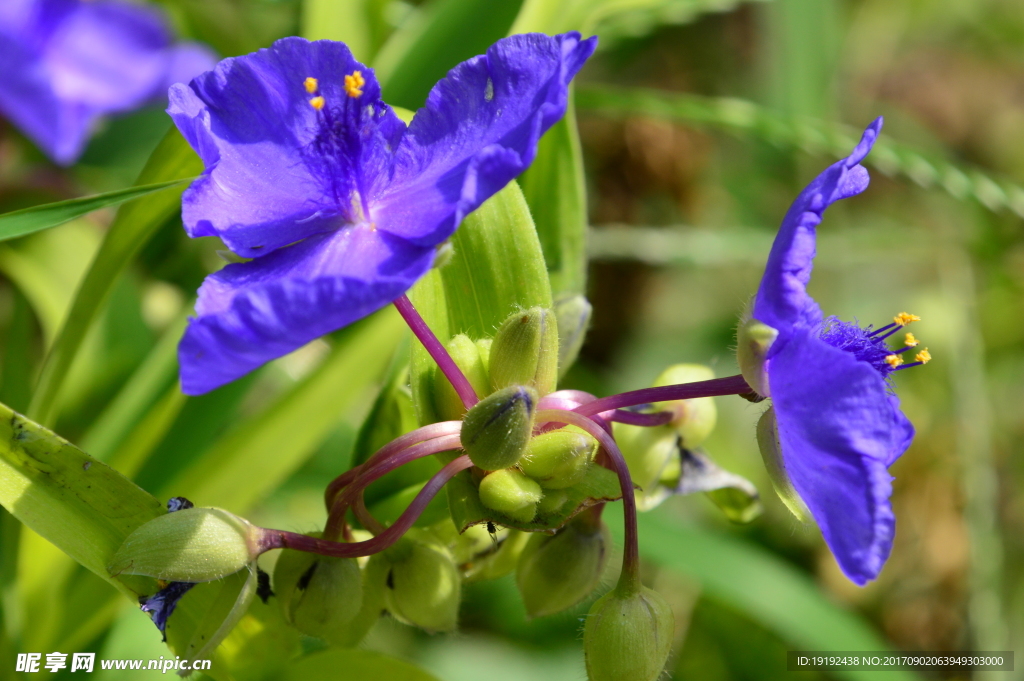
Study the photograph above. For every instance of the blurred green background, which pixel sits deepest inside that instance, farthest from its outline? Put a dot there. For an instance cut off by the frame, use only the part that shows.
(699, 120)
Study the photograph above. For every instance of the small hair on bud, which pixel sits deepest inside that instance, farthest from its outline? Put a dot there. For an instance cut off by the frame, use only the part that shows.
(753, 339)
(496, 431)
(424, 586)
(525, 351)
(628, 636)
(512, 493)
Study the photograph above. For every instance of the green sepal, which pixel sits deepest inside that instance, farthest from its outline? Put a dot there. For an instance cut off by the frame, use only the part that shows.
(628, 636)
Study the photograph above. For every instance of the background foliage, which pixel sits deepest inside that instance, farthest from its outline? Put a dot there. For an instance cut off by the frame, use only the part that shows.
(699, 121)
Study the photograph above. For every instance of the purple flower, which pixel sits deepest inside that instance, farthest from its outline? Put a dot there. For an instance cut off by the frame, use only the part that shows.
(65, 63)
(340, 205)
(160, 606)
(839, 425)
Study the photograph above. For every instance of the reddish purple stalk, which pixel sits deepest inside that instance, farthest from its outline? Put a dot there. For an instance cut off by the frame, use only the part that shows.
(282, 539)
(427, 432)
(373, 470)
(732, 385)
(629, 580)
(437, 351)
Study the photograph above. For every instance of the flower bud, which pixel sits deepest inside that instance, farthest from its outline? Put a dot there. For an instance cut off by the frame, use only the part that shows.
(510, 492)
(753, 340)
(648, 451)
(628, 638)
(559, 458)
(695, 418)
(553, 501)
(319, 595)
(466, 355)
(525, 351)
(573, 313)
(557, 571)
(423, 583)
(191, 545)
(771, 452)
(497, 430)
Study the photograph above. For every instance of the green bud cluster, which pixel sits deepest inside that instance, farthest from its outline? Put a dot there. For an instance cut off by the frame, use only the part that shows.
(627, 637)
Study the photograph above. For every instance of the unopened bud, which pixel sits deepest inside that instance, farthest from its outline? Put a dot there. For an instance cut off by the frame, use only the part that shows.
(553, 501)
(559, 458)
(557, 572)
(694, 418)
(423, 584)
(319, 595)
(771, 451)
(753, 340)
(573, 313)
(510, 492)
(497, 430)
(525, 351)
(466, 355)
(628, 638)
(648, 451)
(191, 545)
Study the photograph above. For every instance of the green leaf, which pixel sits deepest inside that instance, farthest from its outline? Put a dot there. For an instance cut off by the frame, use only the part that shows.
(756, 582)
(79, 504)
(444, 34)
(28, 220)
(274, 443)
(354, 664)
(813, 136)
(135, 223)
(555, 190)
(497, 267)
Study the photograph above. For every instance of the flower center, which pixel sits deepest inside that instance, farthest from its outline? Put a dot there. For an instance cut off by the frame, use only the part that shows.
(868, 345)
(335, 151)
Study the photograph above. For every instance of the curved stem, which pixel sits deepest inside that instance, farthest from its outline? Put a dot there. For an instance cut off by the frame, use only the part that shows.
(282, 539)
(345, 499)
(629, 580)
(732, 385)
(428, 432)
(437, 351)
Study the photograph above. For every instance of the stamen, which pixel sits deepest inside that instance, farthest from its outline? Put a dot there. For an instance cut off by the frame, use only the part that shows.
(894, 360)
(910, 341)
(354, 84)
(881, 330)
(317, 103)
(311, 84)
(904, 318)
(924, 356)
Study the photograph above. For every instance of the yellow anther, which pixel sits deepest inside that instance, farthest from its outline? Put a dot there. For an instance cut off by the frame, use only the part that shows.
(910, 341)
(317, 103)
(311, 84)
(924, 356)
(904, 318)
(354, 84)
(894, 360)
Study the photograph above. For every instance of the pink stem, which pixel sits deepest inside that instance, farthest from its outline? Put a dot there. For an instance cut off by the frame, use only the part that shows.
(437, 351)
(428, 432)
(732, 385)
(282, 539)
(629, 580)
(342, 502)
(658, 418)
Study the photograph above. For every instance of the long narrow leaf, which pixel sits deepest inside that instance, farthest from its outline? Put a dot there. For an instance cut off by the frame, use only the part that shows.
(134, 225)
(28, 220)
